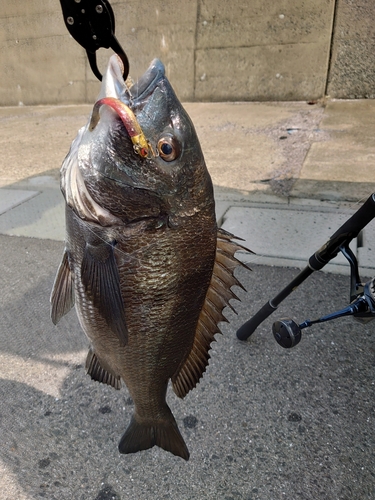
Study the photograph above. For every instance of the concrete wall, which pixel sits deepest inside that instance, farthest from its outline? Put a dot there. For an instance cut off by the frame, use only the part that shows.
(352, 68)
(212, 49)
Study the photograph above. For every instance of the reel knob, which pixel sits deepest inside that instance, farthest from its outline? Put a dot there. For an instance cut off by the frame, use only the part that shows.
(286, 332)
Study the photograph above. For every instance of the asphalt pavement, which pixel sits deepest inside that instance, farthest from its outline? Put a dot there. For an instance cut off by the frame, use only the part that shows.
(264, 423)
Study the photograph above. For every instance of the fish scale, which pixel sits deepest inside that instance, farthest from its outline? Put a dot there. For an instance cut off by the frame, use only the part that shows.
(144, 264)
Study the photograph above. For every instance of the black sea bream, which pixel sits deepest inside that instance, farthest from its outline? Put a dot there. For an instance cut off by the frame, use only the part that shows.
(144, 263)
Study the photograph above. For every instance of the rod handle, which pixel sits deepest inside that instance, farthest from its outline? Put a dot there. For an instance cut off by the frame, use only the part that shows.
(252, 324)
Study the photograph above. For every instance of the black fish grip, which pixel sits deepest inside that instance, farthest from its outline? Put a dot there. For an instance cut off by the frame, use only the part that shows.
(92, 24)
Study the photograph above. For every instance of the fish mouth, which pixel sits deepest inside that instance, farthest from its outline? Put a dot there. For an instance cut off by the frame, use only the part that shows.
(125, 96)
(131, 94)
(148, 81)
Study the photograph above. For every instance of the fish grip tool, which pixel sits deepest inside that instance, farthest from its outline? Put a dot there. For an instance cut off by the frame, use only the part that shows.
(362, 296)
(92, 24)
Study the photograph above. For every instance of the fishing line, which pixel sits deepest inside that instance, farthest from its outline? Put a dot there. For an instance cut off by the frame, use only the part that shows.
(131, 255)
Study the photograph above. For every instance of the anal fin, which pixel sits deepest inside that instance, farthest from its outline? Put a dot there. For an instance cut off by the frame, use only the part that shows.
(98, 373)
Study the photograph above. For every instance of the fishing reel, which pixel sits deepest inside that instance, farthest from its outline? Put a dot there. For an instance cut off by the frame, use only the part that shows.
(362, 296)
(288, 333)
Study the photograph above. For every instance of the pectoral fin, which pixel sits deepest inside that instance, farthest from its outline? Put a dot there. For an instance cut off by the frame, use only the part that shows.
(101, 280)
(218, 296)
(62, 295)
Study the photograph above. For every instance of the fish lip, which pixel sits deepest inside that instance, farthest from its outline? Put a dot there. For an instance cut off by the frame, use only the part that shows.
(113, 84)
(148, 81)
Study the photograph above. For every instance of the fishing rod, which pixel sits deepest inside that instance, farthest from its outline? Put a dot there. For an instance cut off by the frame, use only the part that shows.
(92, 24)
(362, 296)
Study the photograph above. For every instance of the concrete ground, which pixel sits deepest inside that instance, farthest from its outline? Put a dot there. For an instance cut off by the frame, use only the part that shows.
(265, 423)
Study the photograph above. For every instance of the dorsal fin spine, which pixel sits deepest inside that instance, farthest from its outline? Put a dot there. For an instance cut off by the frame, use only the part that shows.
(218, 296)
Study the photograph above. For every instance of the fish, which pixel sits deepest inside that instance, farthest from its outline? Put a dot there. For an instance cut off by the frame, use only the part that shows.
(144, 264)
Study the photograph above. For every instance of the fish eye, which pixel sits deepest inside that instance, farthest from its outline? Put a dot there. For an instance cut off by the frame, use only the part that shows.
(169, 148)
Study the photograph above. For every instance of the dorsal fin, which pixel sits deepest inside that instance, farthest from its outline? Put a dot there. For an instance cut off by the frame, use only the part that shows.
(218, 296)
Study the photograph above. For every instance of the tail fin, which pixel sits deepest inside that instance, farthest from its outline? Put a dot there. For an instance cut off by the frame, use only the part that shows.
(164, 433)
